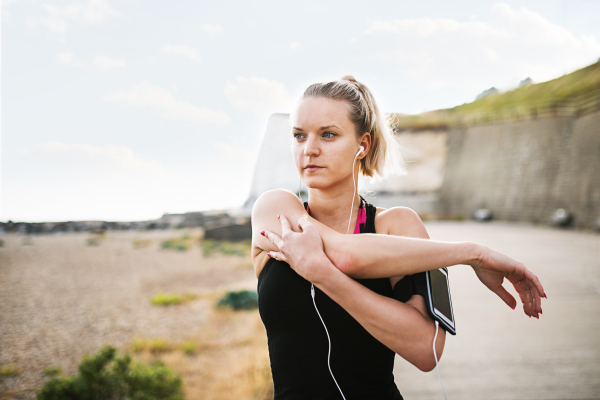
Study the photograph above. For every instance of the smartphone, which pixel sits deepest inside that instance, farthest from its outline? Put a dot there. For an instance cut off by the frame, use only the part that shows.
(435, 288)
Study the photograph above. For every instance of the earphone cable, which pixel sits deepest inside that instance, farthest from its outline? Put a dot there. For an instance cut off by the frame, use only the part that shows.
(312, 293)
(437, 327)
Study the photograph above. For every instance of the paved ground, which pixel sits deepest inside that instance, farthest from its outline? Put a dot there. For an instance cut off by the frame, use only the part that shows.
(499, 353)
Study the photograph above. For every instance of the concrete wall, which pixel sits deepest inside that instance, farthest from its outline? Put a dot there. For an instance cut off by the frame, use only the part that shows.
(524, 170)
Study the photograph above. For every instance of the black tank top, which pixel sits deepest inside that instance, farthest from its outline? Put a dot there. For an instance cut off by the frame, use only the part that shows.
(298, 345)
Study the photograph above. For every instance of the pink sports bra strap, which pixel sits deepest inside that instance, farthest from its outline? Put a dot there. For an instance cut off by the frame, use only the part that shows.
(361, 219)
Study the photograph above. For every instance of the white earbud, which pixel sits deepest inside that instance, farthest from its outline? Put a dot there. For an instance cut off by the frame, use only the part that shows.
(361, 150)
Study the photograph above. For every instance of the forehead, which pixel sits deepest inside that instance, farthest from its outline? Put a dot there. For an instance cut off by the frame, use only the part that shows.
(317, 112)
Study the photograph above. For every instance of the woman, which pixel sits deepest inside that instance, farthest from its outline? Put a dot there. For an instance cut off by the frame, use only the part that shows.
(339, 337)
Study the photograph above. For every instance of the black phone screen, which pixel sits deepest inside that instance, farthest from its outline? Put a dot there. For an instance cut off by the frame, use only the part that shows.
(440, 293)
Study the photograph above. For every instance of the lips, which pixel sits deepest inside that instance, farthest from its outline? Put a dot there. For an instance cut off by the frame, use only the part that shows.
(313, 167)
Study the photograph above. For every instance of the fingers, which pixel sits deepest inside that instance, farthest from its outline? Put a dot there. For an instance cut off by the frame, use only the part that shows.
(506, 297)
(305, 224)
(285, 224)
(279, 256)
(273, 237)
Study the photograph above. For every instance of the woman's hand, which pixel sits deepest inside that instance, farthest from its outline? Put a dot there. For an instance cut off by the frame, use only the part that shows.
(492, 267)
(303, 250)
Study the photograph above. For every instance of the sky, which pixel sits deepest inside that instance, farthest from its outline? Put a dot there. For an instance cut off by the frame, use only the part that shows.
(127, 109)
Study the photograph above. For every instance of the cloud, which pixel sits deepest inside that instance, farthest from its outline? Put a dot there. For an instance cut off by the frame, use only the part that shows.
(104, 63)
(212, 28)
(69, 59)
(57, 17)
(184, 51)
(508, 46)
(88, 157)
(148, 95)
(260, 95)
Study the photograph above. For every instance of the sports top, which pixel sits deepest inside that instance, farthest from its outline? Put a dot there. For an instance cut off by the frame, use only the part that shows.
(298, 345)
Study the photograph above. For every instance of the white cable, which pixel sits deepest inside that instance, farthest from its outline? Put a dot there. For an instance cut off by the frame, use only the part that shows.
(353, 193)
(312, 293)
(437, 327)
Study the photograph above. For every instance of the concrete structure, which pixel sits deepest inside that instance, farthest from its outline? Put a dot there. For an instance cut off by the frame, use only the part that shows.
(525, 170)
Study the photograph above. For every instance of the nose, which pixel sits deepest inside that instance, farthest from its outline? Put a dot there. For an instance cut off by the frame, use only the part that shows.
(311, 148)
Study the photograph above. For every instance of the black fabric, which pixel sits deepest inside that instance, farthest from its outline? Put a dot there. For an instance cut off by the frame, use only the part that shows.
(298, 344)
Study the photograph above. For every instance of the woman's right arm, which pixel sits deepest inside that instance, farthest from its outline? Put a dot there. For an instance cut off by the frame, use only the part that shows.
(383, 256)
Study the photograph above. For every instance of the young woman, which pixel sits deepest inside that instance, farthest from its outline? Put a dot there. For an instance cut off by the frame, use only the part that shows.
(326, 296)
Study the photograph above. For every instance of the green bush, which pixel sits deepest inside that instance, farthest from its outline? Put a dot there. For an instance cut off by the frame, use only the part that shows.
(52, 370)
(1, 243)
(241, 300)
(108, 376)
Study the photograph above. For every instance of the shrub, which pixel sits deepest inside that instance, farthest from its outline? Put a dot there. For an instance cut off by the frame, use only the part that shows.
(179, 244)
(241, 300)
(159, 345)
(9, 370)
(52, 370)
(108, 376)
(167, 299)
(1, 243)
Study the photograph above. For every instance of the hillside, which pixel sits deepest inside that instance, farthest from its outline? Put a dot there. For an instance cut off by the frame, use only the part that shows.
(574, 93)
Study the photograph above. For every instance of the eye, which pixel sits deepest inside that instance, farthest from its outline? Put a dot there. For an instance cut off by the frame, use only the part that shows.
(329, 134)
(298, 135)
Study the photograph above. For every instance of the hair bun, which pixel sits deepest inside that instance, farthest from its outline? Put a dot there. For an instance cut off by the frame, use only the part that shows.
(349, 78)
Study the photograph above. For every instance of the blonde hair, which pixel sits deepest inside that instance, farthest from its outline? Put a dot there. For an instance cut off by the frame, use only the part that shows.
(384, 156)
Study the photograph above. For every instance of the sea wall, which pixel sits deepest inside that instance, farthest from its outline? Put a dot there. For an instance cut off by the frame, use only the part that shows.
(524, 170)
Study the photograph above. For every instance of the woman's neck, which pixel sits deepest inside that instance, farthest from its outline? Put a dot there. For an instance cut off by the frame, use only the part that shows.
(333, 208)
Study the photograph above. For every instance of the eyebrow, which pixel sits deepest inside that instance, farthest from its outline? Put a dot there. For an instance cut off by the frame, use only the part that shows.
(321, 128)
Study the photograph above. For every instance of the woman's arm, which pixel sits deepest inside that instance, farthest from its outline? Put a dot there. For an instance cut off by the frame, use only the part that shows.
(377, 256)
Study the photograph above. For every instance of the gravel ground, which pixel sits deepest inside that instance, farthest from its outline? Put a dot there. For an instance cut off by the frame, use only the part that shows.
(499, 353)
(61, 298)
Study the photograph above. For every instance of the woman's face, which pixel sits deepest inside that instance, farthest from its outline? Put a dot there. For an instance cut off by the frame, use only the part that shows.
(325, 143)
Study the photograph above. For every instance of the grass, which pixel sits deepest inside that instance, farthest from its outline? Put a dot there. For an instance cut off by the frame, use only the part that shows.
(179, 244)
(168, 299)
(1, 243)
(9, 370)
(529, 101)
(190, 347)
(229, 360)
(211, 247)
(154, 346)
(52, 370)
(141, 243)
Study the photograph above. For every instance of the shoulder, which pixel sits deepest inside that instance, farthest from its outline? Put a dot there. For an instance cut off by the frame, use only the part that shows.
(400, 221)
(275, 201)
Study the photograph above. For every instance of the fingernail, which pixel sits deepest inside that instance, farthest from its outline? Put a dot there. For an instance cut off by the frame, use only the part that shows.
(538, 317)
(530, 316)
(541, 311)
(514, 308)
(262, 233)
(546, 297)
(278, 216)
(269, 254)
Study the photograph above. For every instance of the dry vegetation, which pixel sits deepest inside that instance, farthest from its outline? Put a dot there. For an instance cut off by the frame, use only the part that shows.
(151, 294)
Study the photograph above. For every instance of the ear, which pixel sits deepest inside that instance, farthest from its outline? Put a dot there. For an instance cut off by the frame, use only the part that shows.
(365, 141)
